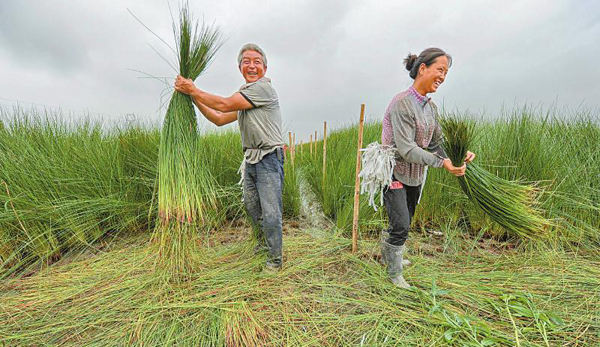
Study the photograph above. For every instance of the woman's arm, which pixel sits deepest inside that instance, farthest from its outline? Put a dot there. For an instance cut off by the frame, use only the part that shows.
(403, 129)
(435, 145)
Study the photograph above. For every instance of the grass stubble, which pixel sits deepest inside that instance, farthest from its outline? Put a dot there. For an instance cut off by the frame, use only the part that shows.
(325, 296)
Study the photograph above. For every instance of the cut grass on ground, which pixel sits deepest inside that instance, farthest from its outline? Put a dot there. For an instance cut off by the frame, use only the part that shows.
(325, 296)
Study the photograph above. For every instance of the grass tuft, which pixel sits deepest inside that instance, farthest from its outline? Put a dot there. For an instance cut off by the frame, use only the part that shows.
(513, 205)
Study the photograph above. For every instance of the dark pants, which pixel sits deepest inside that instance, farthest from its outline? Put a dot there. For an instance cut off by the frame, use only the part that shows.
(263, 187)
(400, 204)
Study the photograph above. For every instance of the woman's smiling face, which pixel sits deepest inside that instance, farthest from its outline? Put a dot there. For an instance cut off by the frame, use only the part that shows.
(432, 76)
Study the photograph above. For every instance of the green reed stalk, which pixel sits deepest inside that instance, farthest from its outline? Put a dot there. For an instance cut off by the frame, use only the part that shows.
(186, 190)
(511, 204)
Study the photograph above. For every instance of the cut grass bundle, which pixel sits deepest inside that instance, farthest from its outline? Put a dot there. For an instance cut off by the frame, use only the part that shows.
(187, 197)
(511, 204)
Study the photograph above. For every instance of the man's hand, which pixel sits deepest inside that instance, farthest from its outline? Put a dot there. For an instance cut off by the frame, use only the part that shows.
(470, 157)
(184, 85)
(456, 171)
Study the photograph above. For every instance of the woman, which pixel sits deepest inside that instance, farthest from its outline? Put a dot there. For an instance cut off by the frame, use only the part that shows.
(410, 126)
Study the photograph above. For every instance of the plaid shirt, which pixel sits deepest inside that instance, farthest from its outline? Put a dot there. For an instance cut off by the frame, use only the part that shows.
(409, 125)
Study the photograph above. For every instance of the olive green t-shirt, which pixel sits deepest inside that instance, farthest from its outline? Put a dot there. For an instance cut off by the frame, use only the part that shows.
(260, 126)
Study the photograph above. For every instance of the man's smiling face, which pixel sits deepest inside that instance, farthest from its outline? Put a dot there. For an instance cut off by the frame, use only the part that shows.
(252, 66)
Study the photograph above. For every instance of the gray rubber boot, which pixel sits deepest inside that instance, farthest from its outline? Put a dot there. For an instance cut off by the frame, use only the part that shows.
(385, 235)
(392, 256)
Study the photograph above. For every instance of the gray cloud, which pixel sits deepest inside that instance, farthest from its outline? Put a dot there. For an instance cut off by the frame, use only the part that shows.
(325, 57)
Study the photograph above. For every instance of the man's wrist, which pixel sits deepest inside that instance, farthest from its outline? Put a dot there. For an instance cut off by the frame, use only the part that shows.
(197, 94)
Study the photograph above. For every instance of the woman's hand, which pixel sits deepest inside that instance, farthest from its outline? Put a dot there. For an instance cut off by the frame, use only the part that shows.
(456, 171)
(470, 157)
(184, 85)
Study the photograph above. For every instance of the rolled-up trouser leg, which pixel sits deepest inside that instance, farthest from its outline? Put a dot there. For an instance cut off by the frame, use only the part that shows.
(269, 183)
(400, 204)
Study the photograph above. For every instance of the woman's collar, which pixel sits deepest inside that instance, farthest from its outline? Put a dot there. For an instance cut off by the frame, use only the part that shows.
(421, 99)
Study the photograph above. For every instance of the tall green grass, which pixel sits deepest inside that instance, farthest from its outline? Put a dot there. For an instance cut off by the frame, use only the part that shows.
(67, 183)
(103, 181)
(62, 187)
(338, 194)
(525, 144)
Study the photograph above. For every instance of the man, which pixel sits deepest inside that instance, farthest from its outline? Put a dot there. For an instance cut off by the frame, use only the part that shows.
(256, 108)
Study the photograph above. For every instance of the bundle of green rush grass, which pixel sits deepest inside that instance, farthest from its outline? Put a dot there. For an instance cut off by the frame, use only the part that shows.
(511, 204)
(186, 191)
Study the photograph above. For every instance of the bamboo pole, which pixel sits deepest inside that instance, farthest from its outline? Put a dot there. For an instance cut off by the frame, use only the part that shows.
(294, 148)
(290, 149)
(316, 144)
(324, 154)
(357, 181)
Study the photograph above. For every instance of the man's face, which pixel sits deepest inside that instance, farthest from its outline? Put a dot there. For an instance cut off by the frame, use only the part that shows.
(252, 66)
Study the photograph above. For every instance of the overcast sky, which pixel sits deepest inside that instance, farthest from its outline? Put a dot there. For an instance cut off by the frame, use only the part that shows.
(325, 57)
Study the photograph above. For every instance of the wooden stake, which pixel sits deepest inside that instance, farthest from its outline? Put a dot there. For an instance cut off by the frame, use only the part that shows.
(324, 154)
(357, 181)
(294, 148)
(311, 142)
(316, 144)
(290, 148)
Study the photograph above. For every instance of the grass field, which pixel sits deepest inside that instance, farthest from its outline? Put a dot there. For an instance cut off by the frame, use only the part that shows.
(560, 156)
(64, 185)
(78, 269)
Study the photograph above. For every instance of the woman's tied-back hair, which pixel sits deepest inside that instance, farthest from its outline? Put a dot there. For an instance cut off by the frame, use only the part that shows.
(427, 57)
(251, 47)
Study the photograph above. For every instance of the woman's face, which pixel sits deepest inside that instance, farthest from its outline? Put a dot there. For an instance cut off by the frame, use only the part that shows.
(432, 76)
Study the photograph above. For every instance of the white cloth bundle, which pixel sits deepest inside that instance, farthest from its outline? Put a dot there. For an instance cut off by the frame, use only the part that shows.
(242, 172)
(377, 169)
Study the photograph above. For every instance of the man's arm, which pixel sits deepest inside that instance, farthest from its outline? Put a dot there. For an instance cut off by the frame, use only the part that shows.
(236, 102)
(216, 117)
